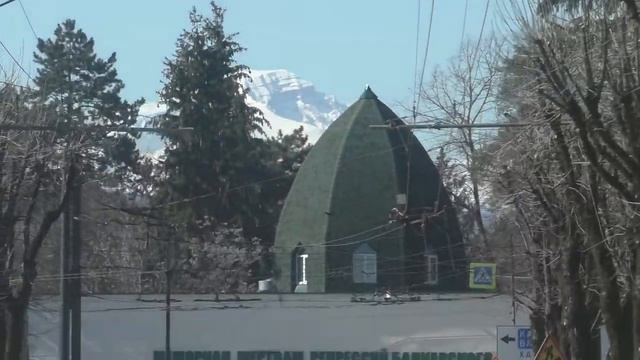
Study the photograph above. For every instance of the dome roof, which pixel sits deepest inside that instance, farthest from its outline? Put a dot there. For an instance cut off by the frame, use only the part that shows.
(343, 194)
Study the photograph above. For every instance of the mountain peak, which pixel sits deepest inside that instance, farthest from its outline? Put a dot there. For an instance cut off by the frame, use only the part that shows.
(286, 101)
(289, 96)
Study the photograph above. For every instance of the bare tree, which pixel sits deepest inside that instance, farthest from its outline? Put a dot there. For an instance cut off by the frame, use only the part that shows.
(464, 94)
(32, 173)
(581, 77)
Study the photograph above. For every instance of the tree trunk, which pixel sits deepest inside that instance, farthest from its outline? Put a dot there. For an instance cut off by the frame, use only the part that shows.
(5, 292)
(477, 210)
(577, 326)
(617, 312)
(636, 303)
(16, 317)
(3, 330)
(16, 313)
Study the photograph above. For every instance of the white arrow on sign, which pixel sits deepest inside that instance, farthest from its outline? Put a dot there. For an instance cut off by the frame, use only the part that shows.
(514, 343)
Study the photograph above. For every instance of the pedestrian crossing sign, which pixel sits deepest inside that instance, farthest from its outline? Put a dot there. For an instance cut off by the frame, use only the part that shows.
(482, 276)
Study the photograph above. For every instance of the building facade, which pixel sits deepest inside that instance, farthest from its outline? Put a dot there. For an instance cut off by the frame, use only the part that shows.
(368, 211)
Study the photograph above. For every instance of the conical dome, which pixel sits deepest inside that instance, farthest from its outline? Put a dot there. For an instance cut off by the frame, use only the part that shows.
(342, 197)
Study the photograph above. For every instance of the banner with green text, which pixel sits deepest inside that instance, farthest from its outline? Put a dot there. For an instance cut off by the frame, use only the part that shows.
(320, 355)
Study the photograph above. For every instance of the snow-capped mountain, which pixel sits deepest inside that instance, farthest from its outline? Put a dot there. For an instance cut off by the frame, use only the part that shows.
(290, 97)
(279, 123)
(286, 101)
(150, 143)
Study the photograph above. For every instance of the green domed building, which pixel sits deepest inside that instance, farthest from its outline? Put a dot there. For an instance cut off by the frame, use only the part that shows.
(367, 211)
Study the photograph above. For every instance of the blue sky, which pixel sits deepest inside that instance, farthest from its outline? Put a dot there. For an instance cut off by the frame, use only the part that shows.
(339, 45)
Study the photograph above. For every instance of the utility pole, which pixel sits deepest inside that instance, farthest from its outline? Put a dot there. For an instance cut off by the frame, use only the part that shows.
(68, 297)
(169, 277)
(65, 259)
(513, 281)
(76, 281)
(71, 283)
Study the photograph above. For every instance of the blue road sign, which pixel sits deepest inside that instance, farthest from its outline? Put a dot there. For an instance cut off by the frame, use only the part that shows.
(483, 275)
(524, 339)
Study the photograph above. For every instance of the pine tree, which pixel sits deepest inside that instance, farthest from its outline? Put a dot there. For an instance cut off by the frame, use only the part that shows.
(283, 156)
(84, 90)
(228, 172)
(202, 91)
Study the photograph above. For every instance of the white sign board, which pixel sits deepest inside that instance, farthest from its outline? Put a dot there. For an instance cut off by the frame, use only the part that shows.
(515, 343)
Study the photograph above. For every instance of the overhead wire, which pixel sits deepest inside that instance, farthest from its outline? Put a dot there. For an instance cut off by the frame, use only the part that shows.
(6, 3)
(474, 68)
(15, 60)
(28, 20)
(7, 50)
(333, 273)
(426, 53)
(258, 182)
(417, 95)
(384, 259)
(340, 269)
(484, 20)
(200, 304)
(464, 22)
(415, 68)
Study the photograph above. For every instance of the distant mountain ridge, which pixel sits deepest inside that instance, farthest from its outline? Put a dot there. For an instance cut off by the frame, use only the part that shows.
(287, 95)
(286, 101)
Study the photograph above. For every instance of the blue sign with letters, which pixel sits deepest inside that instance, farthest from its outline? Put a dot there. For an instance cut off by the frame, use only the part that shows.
(524, 339)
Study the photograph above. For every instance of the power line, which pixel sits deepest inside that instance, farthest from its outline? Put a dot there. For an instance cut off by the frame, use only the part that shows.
(335, 272)
(197, 305)
(484, 20)
(15, 60)
(240, 187)
(88, 128)
(7, 3)
(28, 20)
(473, 59)
(415, 68)
(362, 240)
(440, 126)
(426, 52)
(464, 22)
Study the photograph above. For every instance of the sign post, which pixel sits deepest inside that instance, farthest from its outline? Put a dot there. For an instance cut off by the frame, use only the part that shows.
(515, 343)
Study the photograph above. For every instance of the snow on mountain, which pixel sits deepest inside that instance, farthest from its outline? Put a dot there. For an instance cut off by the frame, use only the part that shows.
(286, 101)
(290, 97)
(150, 143)
(279, 123)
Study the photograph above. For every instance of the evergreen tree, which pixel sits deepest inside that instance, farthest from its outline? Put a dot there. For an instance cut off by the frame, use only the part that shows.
(202, 91)
(283, 156)
(84, 90)
(228, 173)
